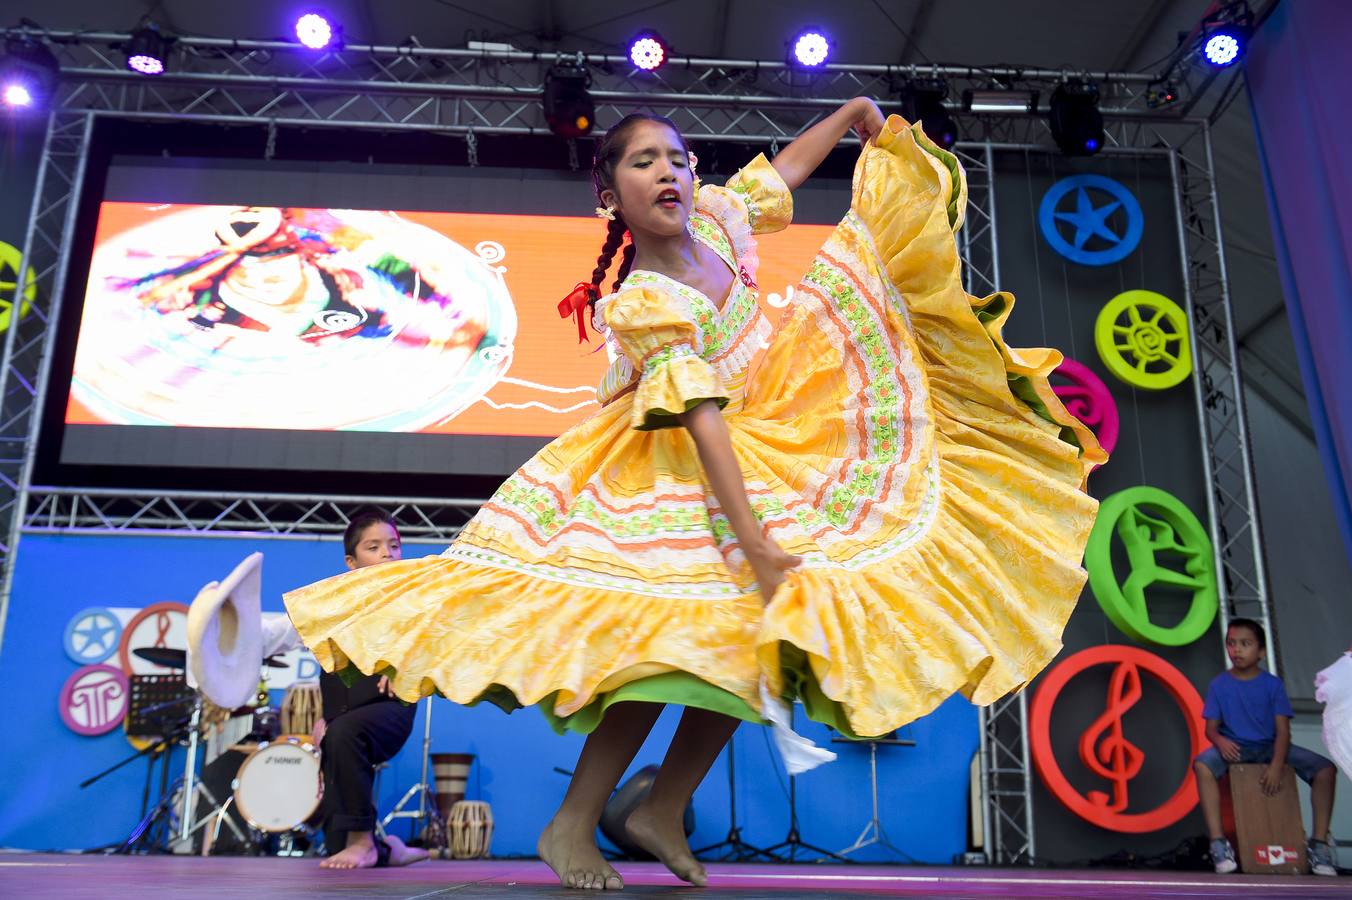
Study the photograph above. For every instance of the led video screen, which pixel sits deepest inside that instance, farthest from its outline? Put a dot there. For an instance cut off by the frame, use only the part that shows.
(250, 334)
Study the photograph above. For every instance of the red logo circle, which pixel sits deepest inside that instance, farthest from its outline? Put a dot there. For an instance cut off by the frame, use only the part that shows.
(1104, 749)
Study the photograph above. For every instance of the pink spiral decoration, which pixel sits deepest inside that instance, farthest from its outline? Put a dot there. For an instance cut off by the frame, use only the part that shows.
(1088, 399)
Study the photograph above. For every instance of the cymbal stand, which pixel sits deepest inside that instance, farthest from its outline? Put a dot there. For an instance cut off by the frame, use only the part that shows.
(192, 786)
(427, 814)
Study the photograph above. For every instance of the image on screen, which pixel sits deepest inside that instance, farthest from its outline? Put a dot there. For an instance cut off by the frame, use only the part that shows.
(286, 318)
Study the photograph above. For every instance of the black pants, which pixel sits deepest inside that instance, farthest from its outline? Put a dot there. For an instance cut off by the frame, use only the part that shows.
(353, 745)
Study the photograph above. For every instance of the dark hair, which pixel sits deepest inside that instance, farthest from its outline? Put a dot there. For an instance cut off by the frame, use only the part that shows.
(608, 152)
(361, 520)
(1258, 633)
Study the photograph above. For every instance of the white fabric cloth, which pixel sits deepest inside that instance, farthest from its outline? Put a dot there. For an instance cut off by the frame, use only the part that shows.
(799, 753)
(1333, 688)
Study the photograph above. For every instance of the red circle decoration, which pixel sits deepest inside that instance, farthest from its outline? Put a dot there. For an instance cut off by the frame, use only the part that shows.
(169, 628)
(94, 700)
(1104, 750)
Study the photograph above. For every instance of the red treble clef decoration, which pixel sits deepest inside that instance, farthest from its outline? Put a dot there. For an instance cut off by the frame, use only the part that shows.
(1115, 759)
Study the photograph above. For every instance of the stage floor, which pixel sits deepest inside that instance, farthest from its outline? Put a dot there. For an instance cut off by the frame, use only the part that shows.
(143, 877)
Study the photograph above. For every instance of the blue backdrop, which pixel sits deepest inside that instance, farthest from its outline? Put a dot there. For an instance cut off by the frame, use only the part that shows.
(923, 790)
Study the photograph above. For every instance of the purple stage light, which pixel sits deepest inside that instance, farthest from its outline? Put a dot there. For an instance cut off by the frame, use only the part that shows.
(811, 49)
(314, 31)
(146, 65)
(17, 95)
(648, 51)
(147, 51)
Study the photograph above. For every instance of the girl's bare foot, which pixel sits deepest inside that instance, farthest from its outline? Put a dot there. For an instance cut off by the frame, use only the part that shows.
(403, 855)
(664, 837)
(360, 853)
(572, 853)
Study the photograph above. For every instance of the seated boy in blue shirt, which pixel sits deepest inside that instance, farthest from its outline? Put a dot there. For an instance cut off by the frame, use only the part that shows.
(1248, 720)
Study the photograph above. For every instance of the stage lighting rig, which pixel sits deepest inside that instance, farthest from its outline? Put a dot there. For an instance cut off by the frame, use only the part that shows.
(147, 51)
(923, 101)
(1075, 120)
(997, 99)
(1225, 35)
(28, 75)
(568, 106)
(810, 49)
(1160, 94)
(648, 51)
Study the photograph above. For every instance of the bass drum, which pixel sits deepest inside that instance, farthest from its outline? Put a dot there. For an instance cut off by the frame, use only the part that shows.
(279, 786)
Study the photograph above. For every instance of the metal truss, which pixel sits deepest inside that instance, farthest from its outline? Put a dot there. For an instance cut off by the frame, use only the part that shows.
(1007, 782)
(472, 92)
(205, 514)
(1226, 463)
(977, 244)
(28, 340)
(1232, 500)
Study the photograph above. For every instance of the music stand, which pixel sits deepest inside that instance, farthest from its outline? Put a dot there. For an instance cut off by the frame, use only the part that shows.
(873, 832)
(738, 850)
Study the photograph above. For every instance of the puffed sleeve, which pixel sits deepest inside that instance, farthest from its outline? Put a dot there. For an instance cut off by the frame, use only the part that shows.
(769, 204)
(656, 333)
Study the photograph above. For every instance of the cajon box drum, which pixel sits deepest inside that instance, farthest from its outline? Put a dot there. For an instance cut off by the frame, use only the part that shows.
(1271, 836)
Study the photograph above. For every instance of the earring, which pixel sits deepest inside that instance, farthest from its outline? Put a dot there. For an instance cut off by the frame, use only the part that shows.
(608, 213)
(694, 161)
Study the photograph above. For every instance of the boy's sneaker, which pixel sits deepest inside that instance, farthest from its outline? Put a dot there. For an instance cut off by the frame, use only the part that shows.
(1321, 858)
(1223, 855)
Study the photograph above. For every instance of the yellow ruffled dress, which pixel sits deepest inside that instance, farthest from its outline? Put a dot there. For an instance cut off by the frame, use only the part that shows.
(924, 470)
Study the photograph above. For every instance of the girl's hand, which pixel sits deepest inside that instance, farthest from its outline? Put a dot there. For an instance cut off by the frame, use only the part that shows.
(770, 562)
(869, 123)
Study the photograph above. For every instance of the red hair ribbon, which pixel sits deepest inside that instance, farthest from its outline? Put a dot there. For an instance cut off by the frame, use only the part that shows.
(576, 303)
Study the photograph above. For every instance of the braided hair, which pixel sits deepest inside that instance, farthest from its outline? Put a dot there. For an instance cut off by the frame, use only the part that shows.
(608, 153)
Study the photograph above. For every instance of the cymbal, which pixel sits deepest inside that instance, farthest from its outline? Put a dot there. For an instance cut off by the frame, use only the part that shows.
(174, 658)
(169, 657)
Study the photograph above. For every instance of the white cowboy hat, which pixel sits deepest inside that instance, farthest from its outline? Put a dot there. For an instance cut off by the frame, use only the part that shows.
(225, 635)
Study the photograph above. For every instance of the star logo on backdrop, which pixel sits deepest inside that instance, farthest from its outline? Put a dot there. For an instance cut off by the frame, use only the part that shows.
(92, 635)
(1102, 229)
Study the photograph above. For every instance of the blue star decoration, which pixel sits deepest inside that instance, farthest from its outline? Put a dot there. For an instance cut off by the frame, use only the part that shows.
(97, 635)
(1090, 220)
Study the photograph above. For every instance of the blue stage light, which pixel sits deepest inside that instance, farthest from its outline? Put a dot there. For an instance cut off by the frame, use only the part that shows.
(314, 30)
(17, 95)
(811, 49)
(28, 75)
(1222, 48)
(648, 51)
(1225, 35)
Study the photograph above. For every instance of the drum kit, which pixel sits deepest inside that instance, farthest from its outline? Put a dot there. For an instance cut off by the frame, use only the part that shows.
(265, 787)
(262, 780)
